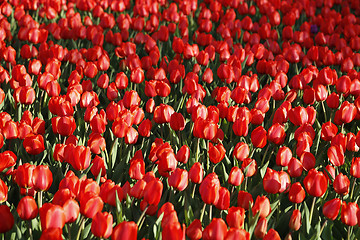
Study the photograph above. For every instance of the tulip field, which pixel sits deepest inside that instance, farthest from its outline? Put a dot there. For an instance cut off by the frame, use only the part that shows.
(185, 119)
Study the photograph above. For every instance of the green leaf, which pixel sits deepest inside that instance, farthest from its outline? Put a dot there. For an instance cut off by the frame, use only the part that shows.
(307, 218)
(157, 226)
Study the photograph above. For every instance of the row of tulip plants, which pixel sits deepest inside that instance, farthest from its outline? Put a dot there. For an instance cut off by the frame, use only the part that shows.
(157, 119)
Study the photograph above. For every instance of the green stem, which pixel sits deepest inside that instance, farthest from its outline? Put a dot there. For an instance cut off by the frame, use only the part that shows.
(30, 230)
(193, 191)
(197, 150)
(142, 215)
(67, 226)
(263, 159)
(348, 232)
(202, 212)
(40, 195)
(352, 189)
(82, 224)
(323, 107)
(322, 228)
(312, 209)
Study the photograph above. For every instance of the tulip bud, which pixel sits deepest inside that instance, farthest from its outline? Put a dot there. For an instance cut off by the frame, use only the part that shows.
(331, 208)
(27, 208)
(295, 220)
(217, 229)
(261, 228)
(101, 225)
(125, 230)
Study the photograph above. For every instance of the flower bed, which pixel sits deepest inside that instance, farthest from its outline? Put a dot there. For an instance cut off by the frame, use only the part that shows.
(179, 120)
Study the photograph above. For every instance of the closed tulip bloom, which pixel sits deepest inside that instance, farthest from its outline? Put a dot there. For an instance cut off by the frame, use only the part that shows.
(177, 121)
(295, 168)
(236, 176)
(51, 216)
(331, 208)
(298, 116)
(71, 209)
(101, 225)
(217, 229)
(216, 153)
(236, 233)
(125, 230)
(42, 178)
(259, 137)
(3, 191)
(183, 154)
(315, 183)
(276, 134)
(24, 175)
(261, 228)
(336, 155)
(27, 208)
(34, 144)
(79, 157)
(209, 189)
(153, 192)
(349, 212)
(196, 173)
(272, 234)
(179, 179)
(296, 193)
(8, 159)
(235, 217)
(295, 220)
(223, 202)
(7, 219)
(245, 200)
(65, 126)
(271, 181)
(51, 233)
(241, 151)
(262, 205)
(341, 184)
(137, 169)
(328, 131)
(173, 230)
(355, 167)
(144, 128)
(283, 156)
(194, 230)
(90, 204)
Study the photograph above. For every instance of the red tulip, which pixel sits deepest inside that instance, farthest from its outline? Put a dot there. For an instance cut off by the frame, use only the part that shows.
(235, 217)
(296, 193)
(27, 208)
(42, 178)
(179, 179)
(153, 192)
(125, 230)
(51, 216)
(174, 231)
(236, 176)
(261, 228)
(276, 134)
(101, 225)
(51, 233)
(328, 131)
(3, 191)
(341, 184)
(259, 137)
(271, 181)
(216, 153)
(223, 201)
(349, 212)
(209, 189)
(295, 220)
(194, 230)
(183, 154)
(283, 156)
(78, 157)
(8, 219)
(315, 183)
(336, 155)
(90, 204)
(177, 121)
(196, 173)
(331, 208)
(8, 159)
(262, 205)
(24, 175)
(241, 151)
(71, 210)
(217, 229)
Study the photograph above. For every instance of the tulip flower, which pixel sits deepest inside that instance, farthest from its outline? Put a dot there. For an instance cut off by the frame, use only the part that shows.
(51, 216)
(271, 181)
(315, 183)
(179, 179)
(3, 191)
(101, 225)
(235, 217)
(27, 208)
(331, 208)
(209, 189)
(261, 228)
(194, 230)
(125, 230)
(295, 220)
(8, 219)
(349, 212)
(217, 229)
(196, 173)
